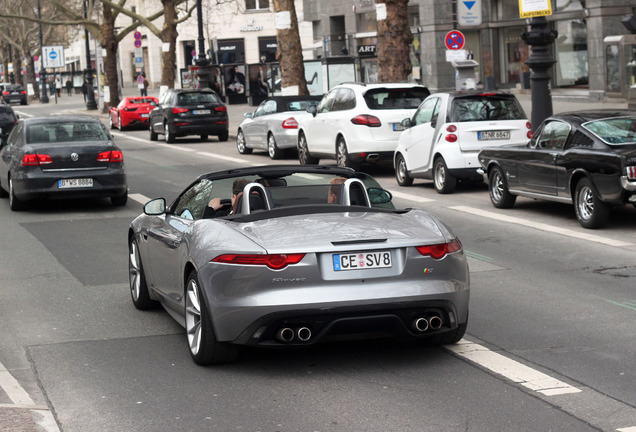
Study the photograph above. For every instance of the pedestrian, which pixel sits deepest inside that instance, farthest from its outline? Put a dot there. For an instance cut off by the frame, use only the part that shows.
(69, 87)
(58, 86)
(84, 90)
(144, 86)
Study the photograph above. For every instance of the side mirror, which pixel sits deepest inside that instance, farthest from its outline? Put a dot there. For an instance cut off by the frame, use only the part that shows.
(312, 110)
(379, 196)
(155, 207)
(248, 115)
(153, 103)
(406, 123)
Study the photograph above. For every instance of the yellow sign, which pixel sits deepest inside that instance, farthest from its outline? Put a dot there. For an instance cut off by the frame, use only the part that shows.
(534, 8)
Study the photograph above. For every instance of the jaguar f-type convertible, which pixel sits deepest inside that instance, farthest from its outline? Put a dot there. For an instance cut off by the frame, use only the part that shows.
(295, 256)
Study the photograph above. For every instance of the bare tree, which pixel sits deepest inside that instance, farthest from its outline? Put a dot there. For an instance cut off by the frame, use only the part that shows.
(290, 53)
(394, 37)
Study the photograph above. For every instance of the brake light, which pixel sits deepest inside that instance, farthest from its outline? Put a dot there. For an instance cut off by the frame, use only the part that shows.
(451, 138)
(23, 92)
(366, 120)
(530, 134)
(275, 261)
(451, 128)
(487, 94)
(631, 172)
(110, 156)
(439, 251)
(5, 93)
(528, 125)
(36, 159)
(222, 108)
(290, 123)
(179, 110)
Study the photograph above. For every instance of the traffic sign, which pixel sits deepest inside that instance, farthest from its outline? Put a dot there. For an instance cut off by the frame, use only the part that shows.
(469, 13)
(53, 56)
(454, 40)
(137, 43)
(137, 35)
(140, 79)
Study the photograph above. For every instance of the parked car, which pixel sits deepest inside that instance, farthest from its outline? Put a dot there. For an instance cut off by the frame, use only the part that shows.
(274, 125)
(189, 112)
(14, 93)
(8, 119)
(132, 111)
(585, 158)
(308, 256)
(61, 157)
(443, 138)
(357, 123)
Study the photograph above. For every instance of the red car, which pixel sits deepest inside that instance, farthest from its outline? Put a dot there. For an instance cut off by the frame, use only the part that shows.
(132, 111)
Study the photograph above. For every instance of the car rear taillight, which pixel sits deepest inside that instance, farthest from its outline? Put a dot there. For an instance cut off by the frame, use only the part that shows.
(530, 134)
(274, 261)
(439, 251)
(528, 125)
(23, 92)
(110, 156)
(290, 123)
(36, 159)
(631, 172)
(222, 108)
(5, 93)
(179, 110)
(451, 137)
(366, 120)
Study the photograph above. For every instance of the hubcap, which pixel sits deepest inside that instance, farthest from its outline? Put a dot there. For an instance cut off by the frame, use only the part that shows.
(302, 150)
(134, 271)
(193, 317)
(11, 197)
(586, 202)
(401, 170)
(498, 187)
(342, 154)
(240, 142)
(271, 145)
(440, 176)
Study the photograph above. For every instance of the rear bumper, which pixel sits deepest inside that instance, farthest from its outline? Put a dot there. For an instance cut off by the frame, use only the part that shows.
(212, 127)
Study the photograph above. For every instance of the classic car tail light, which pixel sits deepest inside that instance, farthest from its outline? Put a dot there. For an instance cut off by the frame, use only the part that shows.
(366, 120)
(290, 123)
(530, 134)
(222, 108)
(439, 251)
(631, 172)
(5, 93)
(274, 261)
(36, 159)
(451, 137)
(110, 156)
(179, 110)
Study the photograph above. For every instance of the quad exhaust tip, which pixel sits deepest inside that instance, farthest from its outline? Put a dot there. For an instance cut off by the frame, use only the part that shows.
(287, 334)
(422, 324)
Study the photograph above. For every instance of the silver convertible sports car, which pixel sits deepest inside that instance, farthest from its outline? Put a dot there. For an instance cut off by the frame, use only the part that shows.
(312, 253)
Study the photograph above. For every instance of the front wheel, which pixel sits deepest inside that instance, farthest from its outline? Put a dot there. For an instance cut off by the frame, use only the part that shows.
(272, 149)
(204, 348)
(223, 137)
(401, 172)
(590, 211)
(137, 279)
(110, 120)
(241, 146)
(500, 196)
(303, 152)
(443, 180)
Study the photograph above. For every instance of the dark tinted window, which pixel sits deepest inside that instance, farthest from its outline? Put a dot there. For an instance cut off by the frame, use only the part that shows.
(197, 98)
(395, 98)
(486, 107)
(65, 132)
(6, 115)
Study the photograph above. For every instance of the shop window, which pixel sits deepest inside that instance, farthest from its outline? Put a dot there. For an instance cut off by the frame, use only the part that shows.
(571, 53)
(256, 4)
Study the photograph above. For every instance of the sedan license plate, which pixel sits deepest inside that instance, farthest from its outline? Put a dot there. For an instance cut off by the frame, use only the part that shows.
(398, 127)
(144, 116)
(200, 112)
(493, 135)
(361, 260)
(75, 183)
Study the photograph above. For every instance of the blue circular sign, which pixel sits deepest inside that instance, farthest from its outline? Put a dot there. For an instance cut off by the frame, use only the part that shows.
(53, 55)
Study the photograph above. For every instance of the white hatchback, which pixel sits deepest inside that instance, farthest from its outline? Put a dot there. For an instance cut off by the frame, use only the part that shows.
(356, 123)
(443, 138)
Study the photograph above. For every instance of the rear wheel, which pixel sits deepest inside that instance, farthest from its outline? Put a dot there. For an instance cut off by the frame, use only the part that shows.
(241, 146)
(498, 188)
(169, 136)
(342, 155)
(223, 137)
(443, 180)
(590, 211)
(120, 200)
(303, 152)
(204, 348)
(153, 134)
(121, 127)
(272, 150)
(137, 279)
(401, 172)
(110, 120)
(14, 203)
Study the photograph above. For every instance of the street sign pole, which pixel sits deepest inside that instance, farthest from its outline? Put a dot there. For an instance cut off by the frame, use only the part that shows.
(44, 98)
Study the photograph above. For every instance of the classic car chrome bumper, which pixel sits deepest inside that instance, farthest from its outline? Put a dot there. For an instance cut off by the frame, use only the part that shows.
(627, 184)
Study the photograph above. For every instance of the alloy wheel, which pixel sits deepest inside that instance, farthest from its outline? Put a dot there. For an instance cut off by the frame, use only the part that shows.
(134, 271)
(193, 316)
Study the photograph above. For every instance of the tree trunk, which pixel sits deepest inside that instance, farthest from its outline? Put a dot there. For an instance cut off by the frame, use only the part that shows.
(289, 54)
(169, 35)
(394, 37)
(30, 74)
(110, 62)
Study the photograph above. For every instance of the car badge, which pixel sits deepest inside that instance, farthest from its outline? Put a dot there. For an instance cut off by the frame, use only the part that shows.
(74, 157)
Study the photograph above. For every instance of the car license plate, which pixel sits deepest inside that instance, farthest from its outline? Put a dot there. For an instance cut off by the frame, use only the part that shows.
(75, 183)
(200, 112)
(361, 260)
(144, 116)
(398, 127)
(493, 135)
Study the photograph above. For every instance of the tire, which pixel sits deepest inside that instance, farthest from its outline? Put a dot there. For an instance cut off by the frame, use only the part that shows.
(110, 120)
(204, 348)
(204, 137)
(590, 211)
(272, 149)
(119, 201)
(169, 136)
(342, 155)
(303, 152)
(500, 196)
(224, 136)
(443, 181)
(14, 203)
(119, 125)
(241, 146)
(153, 134)
(137, 279)
(401, 172)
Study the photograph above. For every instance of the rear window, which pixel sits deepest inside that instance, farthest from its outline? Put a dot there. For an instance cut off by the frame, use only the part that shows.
(486, 107)
(141, 101)
(65, 132)
(197, 98)
(395, 98)
(620, 130)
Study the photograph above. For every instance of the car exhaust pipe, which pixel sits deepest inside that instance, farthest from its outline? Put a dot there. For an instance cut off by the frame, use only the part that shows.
(420, 324)
(285, 335)
(303, 334)
(435, 322)
(373, 157)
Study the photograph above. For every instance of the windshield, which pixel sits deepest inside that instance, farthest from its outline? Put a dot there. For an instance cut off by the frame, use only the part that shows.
(65, 132)
(395, 98)
(486, 107)
(620, 130)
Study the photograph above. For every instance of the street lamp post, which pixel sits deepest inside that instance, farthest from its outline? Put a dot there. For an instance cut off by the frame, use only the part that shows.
(90, 92)
(44, 98)
(204, 64)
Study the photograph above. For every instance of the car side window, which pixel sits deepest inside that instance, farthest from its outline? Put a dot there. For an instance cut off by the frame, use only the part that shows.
(270, 107)
(260, 110)
(425, 113)
(345, 100)
(193, 201)
(327, 102)
(553, 136)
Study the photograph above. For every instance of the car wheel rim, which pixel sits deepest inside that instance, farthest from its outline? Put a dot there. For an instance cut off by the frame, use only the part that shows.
(586, 203)
(401, 170)
(119, 123)
(11, 197)
(193, 316)
(271, 146)
(497, 186)
(302, 150)
(240, 142)
(134, 271)
(440, 176)
(342, 154)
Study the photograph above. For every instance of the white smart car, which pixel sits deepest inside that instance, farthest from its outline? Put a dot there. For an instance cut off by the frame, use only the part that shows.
(443, 138)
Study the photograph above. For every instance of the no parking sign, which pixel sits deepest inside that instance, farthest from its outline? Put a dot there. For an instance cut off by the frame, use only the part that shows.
(454, 40)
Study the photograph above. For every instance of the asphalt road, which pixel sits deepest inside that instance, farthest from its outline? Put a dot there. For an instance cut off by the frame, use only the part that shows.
(550, 342)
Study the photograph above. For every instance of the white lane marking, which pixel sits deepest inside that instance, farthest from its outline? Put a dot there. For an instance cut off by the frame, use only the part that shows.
(542, 226)
(132, 138)
(227, 158)
(627, 429)
(511, 369)
(141, 199)
(22, 113)
(12, 388)
(410, 197)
